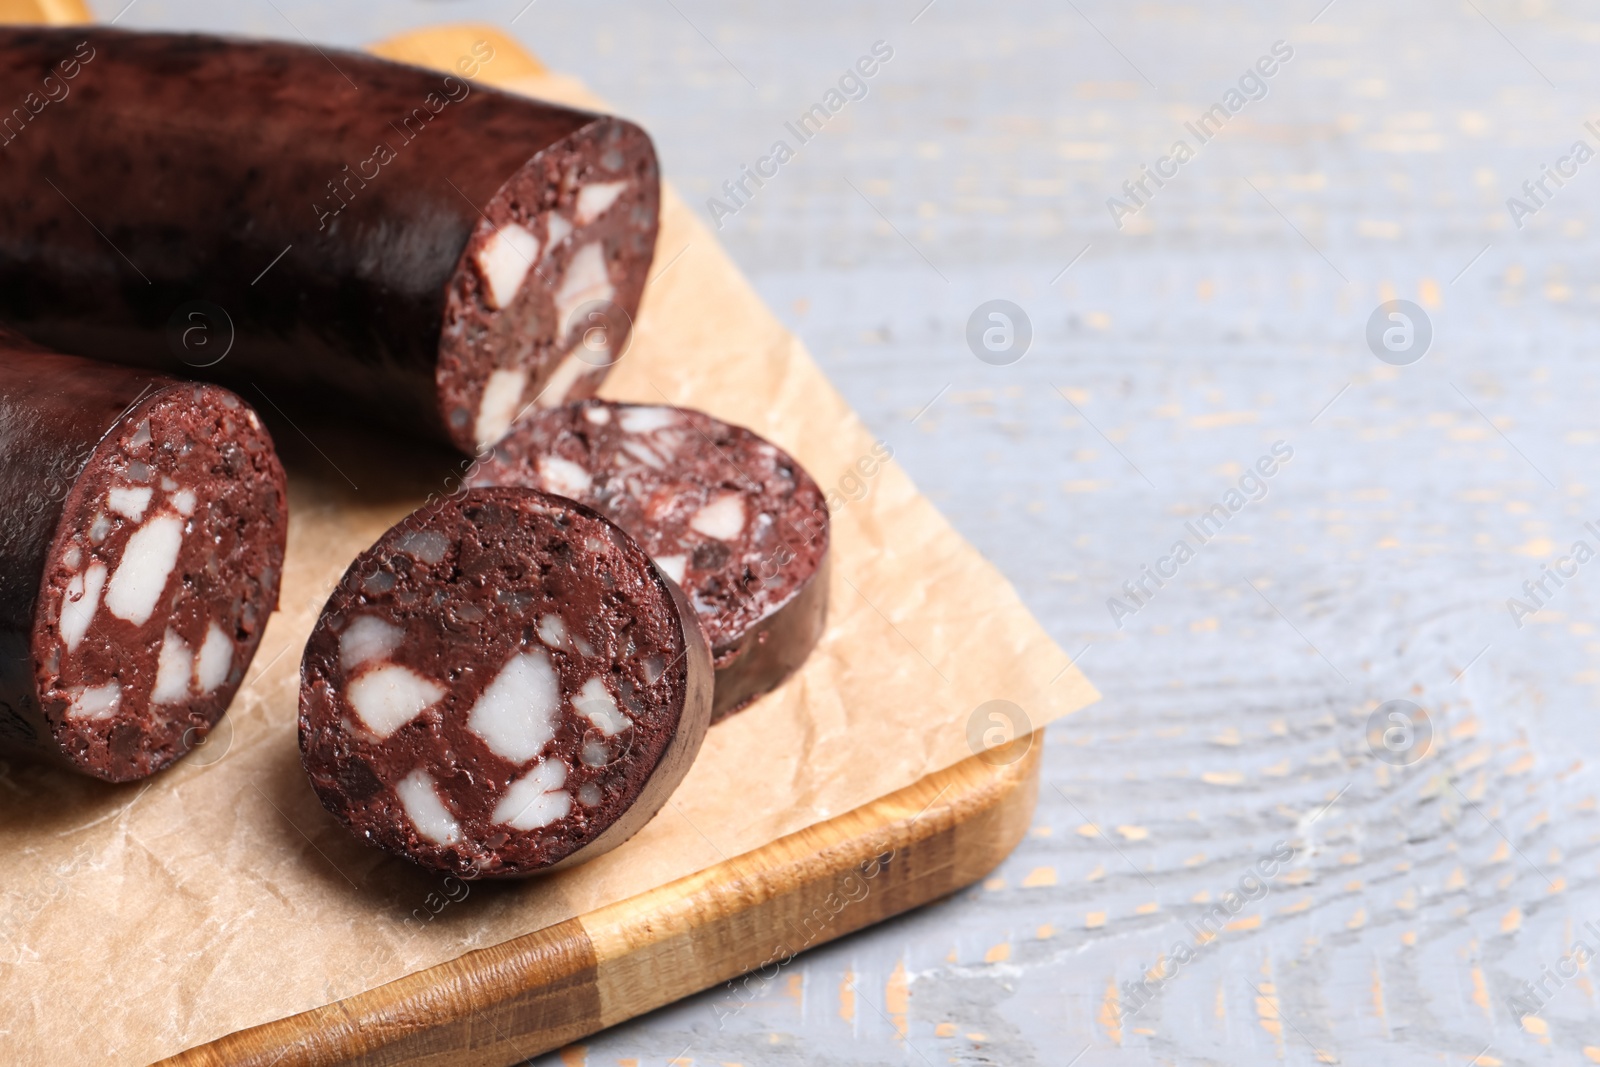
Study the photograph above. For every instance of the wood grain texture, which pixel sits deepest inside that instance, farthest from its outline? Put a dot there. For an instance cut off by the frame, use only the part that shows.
(503, 1004)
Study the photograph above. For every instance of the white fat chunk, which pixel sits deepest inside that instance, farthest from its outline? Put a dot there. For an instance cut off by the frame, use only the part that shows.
(597, 705)
(522, 810)
(425, 810)
(586, 279)
(516, 715)
(723, 518)
(562, 379)
(147, 563)
(129, 502)
(672, 566)
(80, 603)
(95, 701)
(367, 638)
(216, 656)
(173, 667)
(668, 443)
(390, 696)
(502, 397)
(647, 419)
(536, 799)
(427, 545)
(183, 502)
(100, 528)
(553, 631)
(589, 795)
(559, 230)
(563, 476)
(644, 454)
(599, 414)
(504, 261)
(595, 200)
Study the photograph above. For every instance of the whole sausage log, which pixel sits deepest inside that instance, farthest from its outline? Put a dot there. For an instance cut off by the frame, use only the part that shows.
(730, 517)
(501, 685)
(142, 527)
(421, 249)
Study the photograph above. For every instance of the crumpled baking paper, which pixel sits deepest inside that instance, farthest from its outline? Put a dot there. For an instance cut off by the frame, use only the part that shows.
(140, 920)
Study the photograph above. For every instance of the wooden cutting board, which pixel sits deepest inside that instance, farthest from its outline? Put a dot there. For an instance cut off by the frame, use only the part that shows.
(505, 1004)
(537, 992)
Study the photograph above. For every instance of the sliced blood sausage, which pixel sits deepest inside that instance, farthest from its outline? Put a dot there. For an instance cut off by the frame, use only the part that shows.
(142, 526)
(503, 684)
(730, 517)
(426, 250)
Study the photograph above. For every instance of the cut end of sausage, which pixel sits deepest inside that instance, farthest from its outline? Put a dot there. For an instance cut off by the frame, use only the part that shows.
(524, 692)
(731, 518)
(161, 575)
(543, 298)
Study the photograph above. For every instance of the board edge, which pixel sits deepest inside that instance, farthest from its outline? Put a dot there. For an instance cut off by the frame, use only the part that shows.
(543, 990)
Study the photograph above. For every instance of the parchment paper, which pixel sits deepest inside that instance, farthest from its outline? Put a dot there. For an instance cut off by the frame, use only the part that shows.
(136, 921)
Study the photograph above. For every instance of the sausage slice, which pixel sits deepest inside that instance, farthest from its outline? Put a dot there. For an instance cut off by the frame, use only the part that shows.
(141, 546)
(502, 685)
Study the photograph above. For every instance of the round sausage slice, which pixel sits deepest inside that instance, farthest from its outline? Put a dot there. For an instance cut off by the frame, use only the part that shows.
(141, 545)
(502, 685)
(730, 517)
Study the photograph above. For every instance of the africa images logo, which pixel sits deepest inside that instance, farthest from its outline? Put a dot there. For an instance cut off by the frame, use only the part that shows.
(852, 85)
(1252, 86)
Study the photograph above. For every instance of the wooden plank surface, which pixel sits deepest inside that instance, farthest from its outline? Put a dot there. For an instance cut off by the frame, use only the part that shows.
(1187, 342)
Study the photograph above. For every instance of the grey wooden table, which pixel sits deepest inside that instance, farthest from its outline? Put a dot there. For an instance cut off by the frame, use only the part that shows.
(1227, 866)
